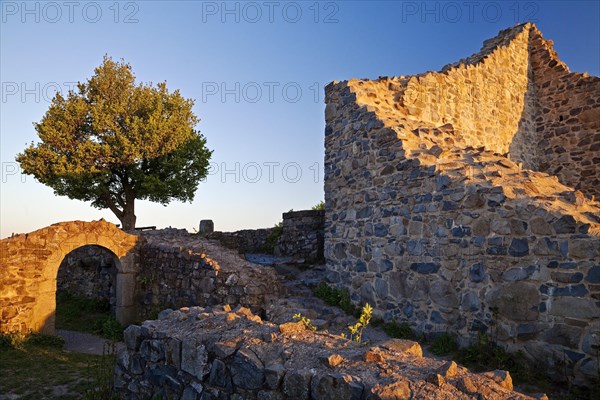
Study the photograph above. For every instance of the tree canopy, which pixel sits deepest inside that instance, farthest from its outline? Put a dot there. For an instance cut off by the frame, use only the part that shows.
(114, 141)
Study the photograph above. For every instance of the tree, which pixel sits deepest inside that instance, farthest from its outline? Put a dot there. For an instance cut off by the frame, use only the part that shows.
(114, 141)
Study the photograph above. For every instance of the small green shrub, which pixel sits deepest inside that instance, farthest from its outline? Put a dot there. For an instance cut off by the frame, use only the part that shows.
(336, 297)
(320, 206)
(301, 318)
(357, 329)
(443, 344)
(12, 340)
(400, 331)
(111, 329)
(19, 340)
(484, 354)
(40, 340)
(271, 239)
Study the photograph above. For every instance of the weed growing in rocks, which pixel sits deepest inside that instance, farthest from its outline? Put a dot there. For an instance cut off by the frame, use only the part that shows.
(484, 354)
(395, 329)
(336, 297)
(101, 369)
(319, 206)
(356, 330)
(443, 344)
(271, 239)
(301, 318)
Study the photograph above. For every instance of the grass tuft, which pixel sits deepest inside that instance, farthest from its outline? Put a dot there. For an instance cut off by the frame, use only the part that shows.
(338, 298)
(34, 366)
(82, 314)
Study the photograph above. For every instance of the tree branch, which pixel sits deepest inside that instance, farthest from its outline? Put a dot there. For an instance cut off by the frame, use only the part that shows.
(111, 205)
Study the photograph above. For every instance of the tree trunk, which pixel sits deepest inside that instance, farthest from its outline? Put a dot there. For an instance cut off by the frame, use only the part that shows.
(128, 217)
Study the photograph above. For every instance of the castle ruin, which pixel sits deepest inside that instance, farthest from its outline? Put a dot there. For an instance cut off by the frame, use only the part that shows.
(463, 200)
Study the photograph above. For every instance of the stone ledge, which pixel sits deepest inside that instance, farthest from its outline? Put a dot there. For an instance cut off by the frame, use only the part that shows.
(207, 353)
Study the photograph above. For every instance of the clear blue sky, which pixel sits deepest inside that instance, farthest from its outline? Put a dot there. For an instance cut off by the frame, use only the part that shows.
(245, 63)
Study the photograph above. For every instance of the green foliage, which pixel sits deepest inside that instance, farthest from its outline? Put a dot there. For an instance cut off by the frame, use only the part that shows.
(19, 340)
(443, 344)
(336, 297)
(357, 329)
(300, 318)
(111, 329)
(12, 340)
(101, 369)
(38, 368)
(147, 277)
(484, 354)
(400, 331)
(87, 315)
(38, 339)
(271, 239)
(320, 206)
(114, 141)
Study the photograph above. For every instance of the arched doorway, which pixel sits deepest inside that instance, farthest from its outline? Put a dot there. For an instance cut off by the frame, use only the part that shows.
(86, 291)
(29, 268)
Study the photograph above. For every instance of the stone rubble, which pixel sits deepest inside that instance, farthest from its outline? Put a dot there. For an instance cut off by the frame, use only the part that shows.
(219, 353)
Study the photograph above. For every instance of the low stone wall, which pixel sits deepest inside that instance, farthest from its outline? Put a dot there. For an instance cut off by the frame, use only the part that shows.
(180, 269)
(89, 271)
(302, 236)
(244, 241)
(208, 354)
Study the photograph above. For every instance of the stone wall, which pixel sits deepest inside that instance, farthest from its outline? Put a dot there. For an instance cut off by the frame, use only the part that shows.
(179, 269)
(244, 241)
(567, 119)
(89, 271)
(302, 236)
(218, 353)
(154, 270)
(433, 218)
(29, 266)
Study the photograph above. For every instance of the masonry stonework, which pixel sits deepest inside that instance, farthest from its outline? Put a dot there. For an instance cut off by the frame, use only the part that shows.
(89, 271)
(154, 270)
(29, 266)
(223, 353)
(180, 269)
(302, 236)
(441, 210)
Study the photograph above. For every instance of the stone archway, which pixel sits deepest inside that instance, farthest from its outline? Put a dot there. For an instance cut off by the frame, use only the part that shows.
(89, 272)
(29, 265)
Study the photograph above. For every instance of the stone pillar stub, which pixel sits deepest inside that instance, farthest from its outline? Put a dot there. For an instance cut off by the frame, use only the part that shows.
(206, 226)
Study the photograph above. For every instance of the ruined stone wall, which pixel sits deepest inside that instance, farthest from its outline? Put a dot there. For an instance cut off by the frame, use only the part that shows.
(245, 240)
(302, 236)
(568, 119)
(29, 266)
(432, 223)
(484, 97)
(89, 271)
(155, 270)
(218, 353)
(179, 269)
